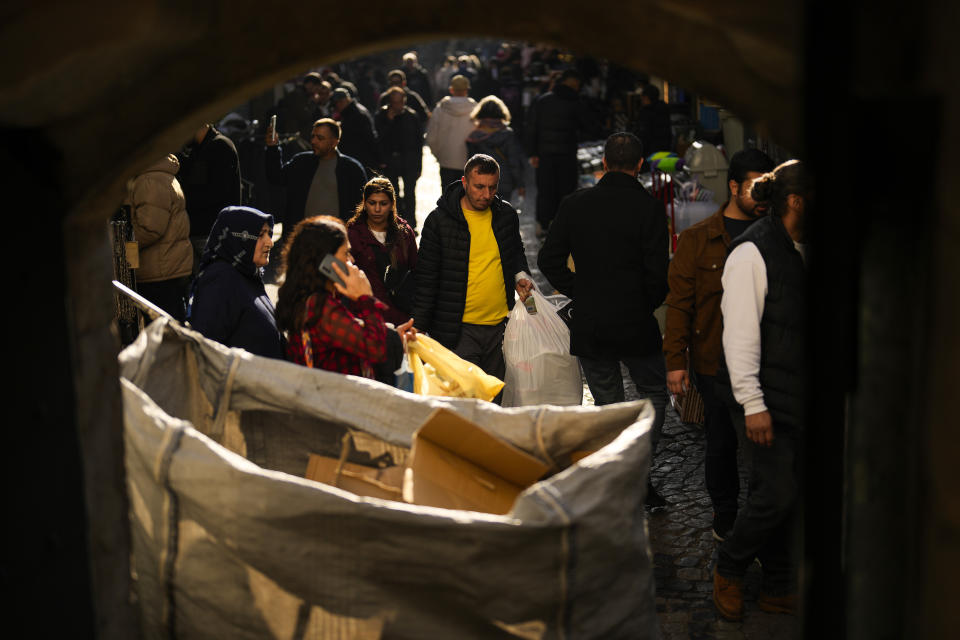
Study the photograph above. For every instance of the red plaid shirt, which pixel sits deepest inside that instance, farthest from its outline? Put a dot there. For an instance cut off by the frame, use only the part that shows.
(337, 340)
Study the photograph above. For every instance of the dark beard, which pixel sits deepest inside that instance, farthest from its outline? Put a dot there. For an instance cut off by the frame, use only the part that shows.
(752, 212)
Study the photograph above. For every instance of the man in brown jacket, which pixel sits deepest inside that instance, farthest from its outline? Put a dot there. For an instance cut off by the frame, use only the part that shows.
(694, 332)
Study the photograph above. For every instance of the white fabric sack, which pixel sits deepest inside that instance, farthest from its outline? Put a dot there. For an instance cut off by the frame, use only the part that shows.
(536, 348)
(231, 541)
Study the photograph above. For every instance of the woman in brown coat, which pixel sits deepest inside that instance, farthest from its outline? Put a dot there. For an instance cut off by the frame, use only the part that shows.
(162, 229)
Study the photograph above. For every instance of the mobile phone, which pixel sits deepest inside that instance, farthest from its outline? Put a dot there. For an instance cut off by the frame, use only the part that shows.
(273, 123)
(326, 268)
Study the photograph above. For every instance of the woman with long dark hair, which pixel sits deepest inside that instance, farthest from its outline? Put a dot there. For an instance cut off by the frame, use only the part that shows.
(321, 331)
(384, 248)
(228, 302)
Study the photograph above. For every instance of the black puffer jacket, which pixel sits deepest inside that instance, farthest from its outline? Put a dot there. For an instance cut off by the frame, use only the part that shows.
(444, 257)
(555, 122)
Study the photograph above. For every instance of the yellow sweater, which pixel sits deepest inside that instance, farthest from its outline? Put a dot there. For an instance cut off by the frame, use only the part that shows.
(486, 302)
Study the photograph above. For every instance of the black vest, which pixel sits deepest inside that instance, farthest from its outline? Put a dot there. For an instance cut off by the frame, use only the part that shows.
(782, 324)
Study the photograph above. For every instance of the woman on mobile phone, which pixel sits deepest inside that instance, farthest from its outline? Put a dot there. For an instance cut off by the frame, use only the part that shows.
(384, 248)
(228, 302)
(321, 331)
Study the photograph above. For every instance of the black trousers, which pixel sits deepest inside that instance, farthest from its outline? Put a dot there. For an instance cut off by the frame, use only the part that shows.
(483, 346)
(557, 176)
(407, 204)
(169, 295)
(648, 374)
(765, 526)
(721, 473)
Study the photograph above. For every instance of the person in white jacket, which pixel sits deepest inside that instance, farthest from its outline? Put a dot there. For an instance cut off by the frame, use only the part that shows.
(764, 306)
(448, 128)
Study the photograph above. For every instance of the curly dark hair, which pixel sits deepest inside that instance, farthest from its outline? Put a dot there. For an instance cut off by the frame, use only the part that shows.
(395, 231)
(312, 239)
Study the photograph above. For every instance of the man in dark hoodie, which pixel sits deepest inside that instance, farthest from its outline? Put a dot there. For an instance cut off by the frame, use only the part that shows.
(553, 131)
(470, 263)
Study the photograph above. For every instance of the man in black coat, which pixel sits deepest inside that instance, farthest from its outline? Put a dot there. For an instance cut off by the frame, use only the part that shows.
(210, 176)
(359, 139)
(401, 150)
(319, 182)
(417, 77)
(299, 109)
(553, 129)
(398, 78)
(653, 121)
(470, 262)
(617, 235)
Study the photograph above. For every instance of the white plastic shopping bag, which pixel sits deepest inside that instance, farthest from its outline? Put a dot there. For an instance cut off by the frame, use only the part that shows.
(540, 369)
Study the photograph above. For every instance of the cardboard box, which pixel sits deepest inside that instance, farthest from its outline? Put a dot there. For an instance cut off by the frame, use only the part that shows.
(455, 464)
(363, 481)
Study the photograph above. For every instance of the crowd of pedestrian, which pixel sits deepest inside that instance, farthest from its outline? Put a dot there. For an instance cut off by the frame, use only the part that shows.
(355, 283)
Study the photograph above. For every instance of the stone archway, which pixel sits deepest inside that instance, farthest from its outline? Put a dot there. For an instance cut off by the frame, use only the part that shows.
(89, 93)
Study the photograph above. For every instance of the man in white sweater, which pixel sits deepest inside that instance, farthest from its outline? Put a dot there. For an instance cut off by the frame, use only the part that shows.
(448, 128)
(763, 309)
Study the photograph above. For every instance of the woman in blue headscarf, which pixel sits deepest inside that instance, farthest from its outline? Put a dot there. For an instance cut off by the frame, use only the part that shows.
(228, 302)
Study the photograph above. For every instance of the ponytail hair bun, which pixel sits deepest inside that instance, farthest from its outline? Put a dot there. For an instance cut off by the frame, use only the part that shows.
(773, 188)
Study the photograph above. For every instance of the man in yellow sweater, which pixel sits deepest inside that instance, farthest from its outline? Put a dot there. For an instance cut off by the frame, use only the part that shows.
(470, 263)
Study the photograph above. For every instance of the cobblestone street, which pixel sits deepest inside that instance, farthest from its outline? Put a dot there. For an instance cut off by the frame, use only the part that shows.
(681, 539)
(684, 551)
(683, 547)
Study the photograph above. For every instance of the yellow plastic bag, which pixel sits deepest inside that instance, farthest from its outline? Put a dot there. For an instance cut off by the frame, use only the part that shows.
(437, 371)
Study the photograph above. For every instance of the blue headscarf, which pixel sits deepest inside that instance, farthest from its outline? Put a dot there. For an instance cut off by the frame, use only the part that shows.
(233, 239)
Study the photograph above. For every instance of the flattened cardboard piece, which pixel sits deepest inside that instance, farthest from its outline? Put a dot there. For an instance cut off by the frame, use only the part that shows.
(356, 478)
(456, 464)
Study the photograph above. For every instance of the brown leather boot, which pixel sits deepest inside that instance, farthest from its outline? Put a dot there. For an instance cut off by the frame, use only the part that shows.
(728, 597)
(778, 604)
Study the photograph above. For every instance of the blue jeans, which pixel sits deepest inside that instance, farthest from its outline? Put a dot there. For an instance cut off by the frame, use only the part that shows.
(648, 373)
